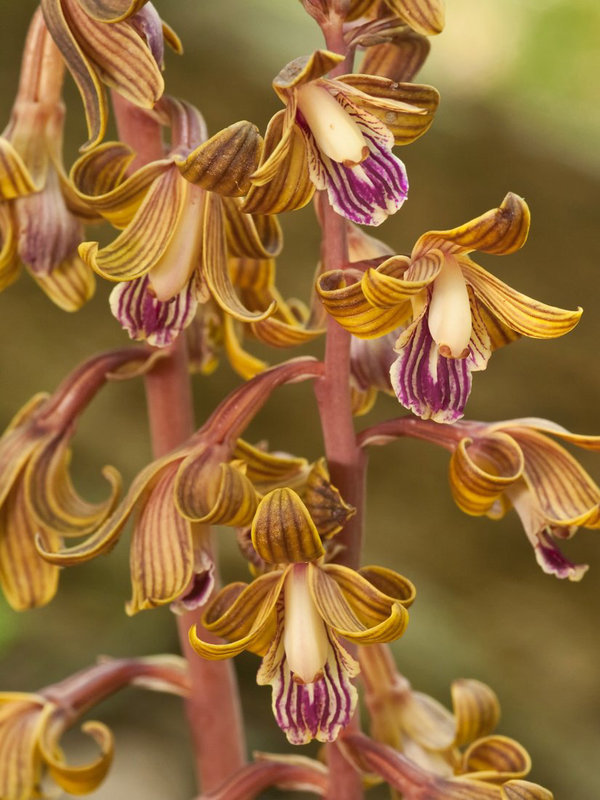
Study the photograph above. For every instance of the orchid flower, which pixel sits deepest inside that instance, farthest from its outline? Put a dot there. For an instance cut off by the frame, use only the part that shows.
(424, 16)
(295, 615)
(460, 312)
(337, 134)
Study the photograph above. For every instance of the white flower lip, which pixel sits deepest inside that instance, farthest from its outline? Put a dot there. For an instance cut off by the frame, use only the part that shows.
(449, 316)
(337, 135)
(304, 635)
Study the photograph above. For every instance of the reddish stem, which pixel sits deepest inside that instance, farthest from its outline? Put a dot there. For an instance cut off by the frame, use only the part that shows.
(438, 433)
(345, 459)
(213, 707)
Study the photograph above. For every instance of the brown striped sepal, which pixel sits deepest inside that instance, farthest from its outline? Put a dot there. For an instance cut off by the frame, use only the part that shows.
(476, 710)
(326, 507)
(283, 531)
(496, 759)
(424, 16)
(398, 59)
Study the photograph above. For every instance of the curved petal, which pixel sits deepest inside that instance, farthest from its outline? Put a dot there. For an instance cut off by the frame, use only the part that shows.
(562, 489)
(283, 531)
(481, 470)
(251, 235)
(111, 10)
(100, 182)
(161, 556)
(141, 245)
(26, 579)
(343, 297)
(399, 59)
(476, 710)
(81, 779)
(388, 581)
(353, 607)
(398, 279)
(495, 758)
(276, 333)
(212, 492)
(105, 537)
(499, 231)
(54, 500)
(304, 69)
(269, 470)
(83, 73)
(524, 790)
(15, 179)
(281, 183)
(214, 265)
(226, 161)
(10, 263)
(244, 363)
(405, 109)
(523, 314)
(424, 16)
(246, 619)
(427, 722)
(69, 284)
(22, 723)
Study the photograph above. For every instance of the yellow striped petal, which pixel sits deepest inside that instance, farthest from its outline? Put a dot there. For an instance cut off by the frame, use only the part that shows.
(111, 10)
(87, 777)
(140, 246)
(100, 182)
(212, 492)
(524, 790)
(107, 535)
(244, 616)
(523, 314)
(54, 500)
(424, 16)
(325, 504)
(353, 607)
(305, 69)
(26, 579)
(399, 59)
(267, 470)
(244, 363)
(15, 178)
(406, 109)
(161, 556)
(397, 279)
(389, 582)
(499, 231)
(69, 285)
(226, 161)
(282, 182)
(20, 726)
(342, 296)
(214, 265)
(10, 263)
(476, 710)
(495, 758)
(481, 470)
(283, 531)
(563, 490)
(256, 236)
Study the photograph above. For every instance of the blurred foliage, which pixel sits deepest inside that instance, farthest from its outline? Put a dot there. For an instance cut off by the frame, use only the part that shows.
(518, 80)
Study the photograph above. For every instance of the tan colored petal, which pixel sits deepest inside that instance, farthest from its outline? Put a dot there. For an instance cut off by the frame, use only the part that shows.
(283, 531)
(481, 470)
(282, 182)
(397, 279)
(21, 722)
(389, 582)
(69, 285)
(10, 263)
(424, 16)
(400, 59)
(359, 612)
(499, 231)
(267, 470)
(256, 236)
(215, 268)
(523, 314)
(26, 579)
(305, 69)
(343, 297)
(141, 245)
(496, 757)
(225, 162)
(111, 10)
(244, 363)
(87, 777)
(15, 178)
(476, 710)
(524, 790)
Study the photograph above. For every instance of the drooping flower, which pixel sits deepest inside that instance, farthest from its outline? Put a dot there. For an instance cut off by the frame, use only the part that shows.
(40, 215)
(337, 134)
(460, 312)
(119, 44)
(37, 498)
(516, 463)
(175, 498)
(172, 251)
(295, 615)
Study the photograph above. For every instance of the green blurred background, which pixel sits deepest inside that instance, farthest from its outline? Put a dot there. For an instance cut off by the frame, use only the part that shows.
(519, 112)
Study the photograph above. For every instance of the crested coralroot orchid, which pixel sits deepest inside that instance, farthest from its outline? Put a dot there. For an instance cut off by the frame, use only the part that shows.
(460, 312)
(172, 251)
(120, 44)
(37, 497)
(40, 214)
(295, 616)
(31, 725)
(516, 463)
(337, 134)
